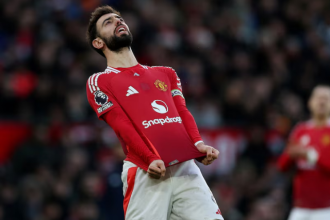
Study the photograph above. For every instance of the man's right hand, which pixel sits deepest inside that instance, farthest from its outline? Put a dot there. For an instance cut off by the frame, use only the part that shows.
(156, 169)
(297, 152)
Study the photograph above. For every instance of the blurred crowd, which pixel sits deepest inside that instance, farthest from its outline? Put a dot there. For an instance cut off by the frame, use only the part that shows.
(248, 64)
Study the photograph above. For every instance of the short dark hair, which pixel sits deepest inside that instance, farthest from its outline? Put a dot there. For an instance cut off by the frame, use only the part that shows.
(92, 29)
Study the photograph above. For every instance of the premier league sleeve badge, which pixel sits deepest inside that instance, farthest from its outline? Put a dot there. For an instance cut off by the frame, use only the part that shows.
(100, 98)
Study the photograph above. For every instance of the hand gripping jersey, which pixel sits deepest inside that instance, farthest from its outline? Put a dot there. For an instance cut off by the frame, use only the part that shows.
(145, 94)
(311, 185)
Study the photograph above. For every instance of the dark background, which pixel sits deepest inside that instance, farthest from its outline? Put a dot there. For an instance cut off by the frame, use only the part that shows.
(246, 66)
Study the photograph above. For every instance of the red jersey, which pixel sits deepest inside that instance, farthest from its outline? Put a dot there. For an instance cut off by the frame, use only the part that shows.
(311, 185)
(146, 96)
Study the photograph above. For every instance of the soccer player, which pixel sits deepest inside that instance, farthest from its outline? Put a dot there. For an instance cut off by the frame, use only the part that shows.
(309, 151)
(145, 107)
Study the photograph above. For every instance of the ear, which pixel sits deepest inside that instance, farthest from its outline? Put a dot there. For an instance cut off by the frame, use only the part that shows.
(98, 43)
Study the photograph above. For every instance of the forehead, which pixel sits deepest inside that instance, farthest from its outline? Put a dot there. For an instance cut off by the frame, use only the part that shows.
(321, 91)
(103, 17)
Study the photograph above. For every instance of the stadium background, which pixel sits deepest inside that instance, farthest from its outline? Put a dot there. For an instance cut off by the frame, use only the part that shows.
(247, 68)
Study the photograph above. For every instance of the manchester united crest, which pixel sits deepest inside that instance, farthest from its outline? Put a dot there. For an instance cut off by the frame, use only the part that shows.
(326, 140)
(160, 85)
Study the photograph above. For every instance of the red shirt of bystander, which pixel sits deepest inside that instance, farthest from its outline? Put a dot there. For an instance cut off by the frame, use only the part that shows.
(311, 183)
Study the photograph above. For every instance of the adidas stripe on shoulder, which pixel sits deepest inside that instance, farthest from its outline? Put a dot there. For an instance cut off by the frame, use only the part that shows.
(93, 79)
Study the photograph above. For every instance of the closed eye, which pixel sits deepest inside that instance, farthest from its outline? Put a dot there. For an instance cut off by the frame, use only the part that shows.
(107, 21)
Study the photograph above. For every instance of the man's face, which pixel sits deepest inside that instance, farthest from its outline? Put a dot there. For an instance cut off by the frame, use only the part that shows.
(114, 32)
(319, 103)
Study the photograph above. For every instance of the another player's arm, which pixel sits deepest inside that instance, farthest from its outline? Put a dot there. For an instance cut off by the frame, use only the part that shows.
(287, 159)
(295, 151)
(320, 158)
(189, 121)
(285, 162)
(107, 109)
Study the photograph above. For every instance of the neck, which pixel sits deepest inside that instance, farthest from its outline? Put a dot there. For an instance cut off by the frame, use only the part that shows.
(320, 120)
(123, 58)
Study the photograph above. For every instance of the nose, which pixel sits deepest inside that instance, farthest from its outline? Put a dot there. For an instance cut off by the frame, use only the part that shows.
(118, 22)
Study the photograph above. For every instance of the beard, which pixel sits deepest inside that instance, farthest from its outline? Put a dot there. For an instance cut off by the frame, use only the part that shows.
(116, 44)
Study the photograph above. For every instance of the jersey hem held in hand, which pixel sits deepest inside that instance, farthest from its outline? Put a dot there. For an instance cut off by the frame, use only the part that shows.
(146, 96)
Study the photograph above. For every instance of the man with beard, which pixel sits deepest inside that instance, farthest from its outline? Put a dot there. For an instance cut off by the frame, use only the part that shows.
(309, 152)
(146, 108)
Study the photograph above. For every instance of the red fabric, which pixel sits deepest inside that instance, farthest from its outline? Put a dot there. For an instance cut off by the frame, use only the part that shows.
(130, 186)
(187, 119)
(23, 83)
(144, 95)
(324, 160)
(311, 184)
(12, 134)
(137, 150)
(284, 162)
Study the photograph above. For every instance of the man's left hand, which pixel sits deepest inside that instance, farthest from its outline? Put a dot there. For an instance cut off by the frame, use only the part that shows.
(211, 153)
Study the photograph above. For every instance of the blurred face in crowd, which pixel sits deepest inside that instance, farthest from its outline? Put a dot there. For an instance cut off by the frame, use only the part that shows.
(113, 32)
(319, 103)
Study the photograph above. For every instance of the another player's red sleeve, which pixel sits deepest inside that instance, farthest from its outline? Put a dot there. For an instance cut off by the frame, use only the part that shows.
(187, 118)
(124, 128)
(285, 162)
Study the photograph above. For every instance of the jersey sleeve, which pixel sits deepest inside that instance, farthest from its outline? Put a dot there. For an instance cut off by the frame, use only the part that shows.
(120, 123)
(180, 103)
(284, 162)
(100, 98)
(176, 87)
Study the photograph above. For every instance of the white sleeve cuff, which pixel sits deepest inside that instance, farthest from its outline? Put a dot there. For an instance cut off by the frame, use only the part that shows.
(312, 156)
(198, 143)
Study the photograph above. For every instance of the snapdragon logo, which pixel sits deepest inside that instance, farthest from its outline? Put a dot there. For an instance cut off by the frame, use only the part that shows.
(161, 121)
(159, 106)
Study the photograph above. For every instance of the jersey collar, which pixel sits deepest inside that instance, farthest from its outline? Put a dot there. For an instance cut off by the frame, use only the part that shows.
(310, 123)
(120, 69)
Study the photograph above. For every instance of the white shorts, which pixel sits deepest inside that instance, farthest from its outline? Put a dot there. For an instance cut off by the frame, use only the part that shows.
(181, 195)
(309, 214)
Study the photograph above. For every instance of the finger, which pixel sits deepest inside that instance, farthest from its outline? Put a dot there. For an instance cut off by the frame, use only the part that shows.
(162, 169)
(205, 161)
(209, 153)
(155, 169)
(215, 154)
(154, 176)
(152, 172)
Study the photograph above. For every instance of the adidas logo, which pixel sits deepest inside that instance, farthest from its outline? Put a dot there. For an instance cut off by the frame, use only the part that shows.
(131, 91)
